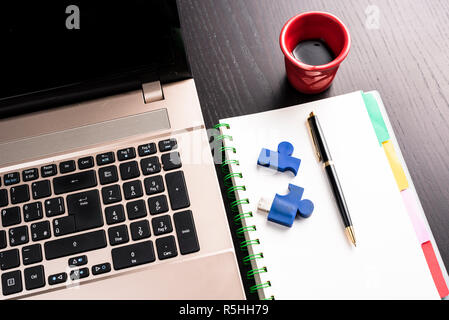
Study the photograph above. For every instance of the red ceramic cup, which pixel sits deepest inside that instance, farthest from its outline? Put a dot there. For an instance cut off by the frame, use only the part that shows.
(307, 26)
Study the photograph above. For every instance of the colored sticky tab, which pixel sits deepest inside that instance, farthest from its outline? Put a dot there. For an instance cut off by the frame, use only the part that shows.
(376, 117)
(395, 165)
(411, 204)
(435, 269)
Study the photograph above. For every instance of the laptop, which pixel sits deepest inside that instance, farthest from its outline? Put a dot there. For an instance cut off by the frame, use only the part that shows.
(108, 187)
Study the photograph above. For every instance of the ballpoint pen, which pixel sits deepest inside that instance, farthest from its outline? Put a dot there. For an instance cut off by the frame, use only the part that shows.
(324, 156)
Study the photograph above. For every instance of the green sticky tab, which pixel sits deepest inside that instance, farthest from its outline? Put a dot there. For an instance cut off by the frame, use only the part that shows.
(376, 117)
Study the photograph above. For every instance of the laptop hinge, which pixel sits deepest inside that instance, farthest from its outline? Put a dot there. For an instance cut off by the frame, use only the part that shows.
(152, 91)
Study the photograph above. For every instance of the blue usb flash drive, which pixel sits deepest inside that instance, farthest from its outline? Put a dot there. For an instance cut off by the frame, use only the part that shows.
(283, 209)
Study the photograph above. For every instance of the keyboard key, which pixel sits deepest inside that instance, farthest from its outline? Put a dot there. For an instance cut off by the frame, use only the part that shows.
(32, 254)
(158, 204)
(129, 170)
(166, 248)
(34, 277)
(79, 274)
(11, 216)
(132, 190)
(111, 194)
(75, 244)
(185, 230)
(54, 207)
(57, 278)
(33, 211)
(3, 242)
(177, 190)
(3, 198)
(48, 171)
(118, 235)
(75, 182)
(9, 259)
(136, 209)
(126, 154)
(30, 175)
(41, 189)
(140, 230)
(147, 149)
(101, 268)
(133, 255)
(67, 166)
(171, 161)
(18, 236)
(19, 194)
(86, 208)
(85, 163)
(12, 282)
(40, 231)
(105, 158)
(64, 225)
(114, 214)
(150, 165)
(161, 225)
(108, 175)
(167, 145)
(11, 178)
(154, 185)
(77, 261)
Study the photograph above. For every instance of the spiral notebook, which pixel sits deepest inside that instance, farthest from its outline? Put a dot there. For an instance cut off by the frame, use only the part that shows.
(396, 256)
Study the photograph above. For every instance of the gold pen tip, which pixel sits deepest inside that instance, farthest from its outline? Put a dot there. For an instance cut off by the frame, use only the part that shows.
(312, 114)
(351, 235)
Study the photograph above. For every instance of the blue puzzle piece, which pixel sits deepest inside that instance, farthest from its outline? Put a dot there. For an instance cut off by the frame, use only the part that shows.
(281, 160)
(285, 208)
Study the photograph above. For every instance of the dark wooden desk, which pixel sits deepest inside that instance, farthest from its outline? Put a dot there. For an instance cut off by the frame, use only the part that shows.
(238, 67)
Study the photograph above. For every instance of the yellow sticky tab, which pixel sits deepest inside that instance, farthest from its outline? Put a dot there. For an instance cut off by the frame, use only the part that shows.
(395, 165)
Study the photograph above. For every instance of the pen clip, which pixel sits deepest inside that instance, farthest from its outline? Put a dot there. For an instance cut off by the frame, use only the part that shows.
(314, 140)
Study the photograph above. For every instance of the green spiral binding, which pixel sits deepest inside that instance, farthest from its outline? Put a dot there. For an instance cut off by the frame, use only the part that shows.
(251, 273)
(256, 287)
(235, 204)
(232, 190)
(226, 163)
(229, 179)
(223, 149)
(238, 217)
(247, 260)
(244, 244)
(223, 137)
(221, 125)
(242, 230)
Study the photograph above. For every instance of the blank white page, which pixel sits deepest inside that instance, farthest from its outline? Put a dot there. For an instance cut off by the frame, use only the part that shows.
(314, 259)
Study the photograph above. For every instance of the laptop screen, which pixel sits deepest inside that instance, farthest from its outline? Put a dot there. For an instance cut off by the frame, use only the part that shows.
(84, 49)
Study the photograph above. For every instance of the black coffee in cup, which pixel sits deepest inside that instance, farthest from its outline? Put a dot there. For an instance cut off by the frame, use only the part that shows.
(313, 52)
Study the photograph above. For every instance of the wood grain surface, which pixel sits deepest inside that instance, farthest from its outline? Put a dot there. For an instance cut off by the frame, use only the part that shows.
(238, 67)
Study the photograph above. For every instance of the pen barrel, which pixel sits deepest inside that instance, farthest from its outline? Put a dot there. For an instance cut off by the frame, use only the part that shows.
(338, 194)
(318, 138)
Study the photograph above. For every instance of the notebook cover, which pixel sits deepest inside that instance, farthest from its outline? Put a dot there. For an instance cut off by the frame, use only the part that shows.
(275, 126)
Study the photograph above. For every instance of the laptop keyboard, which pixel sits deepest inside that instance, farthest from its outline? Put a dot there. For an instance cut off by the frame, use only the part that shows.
(61, 210)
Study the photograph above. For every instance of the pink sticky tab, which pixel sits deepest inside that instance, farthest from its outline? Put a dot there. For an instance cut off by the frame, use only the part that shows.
(411, 204)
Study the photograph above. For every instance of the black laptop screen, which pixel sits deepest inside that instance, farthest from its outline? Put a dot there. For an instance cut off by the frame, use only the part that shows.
(52, 48)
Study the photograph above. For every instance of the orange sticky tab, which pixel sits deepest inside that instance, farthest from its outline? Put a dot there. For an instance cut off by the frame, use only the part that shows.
(395, 165)
(435, 269)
